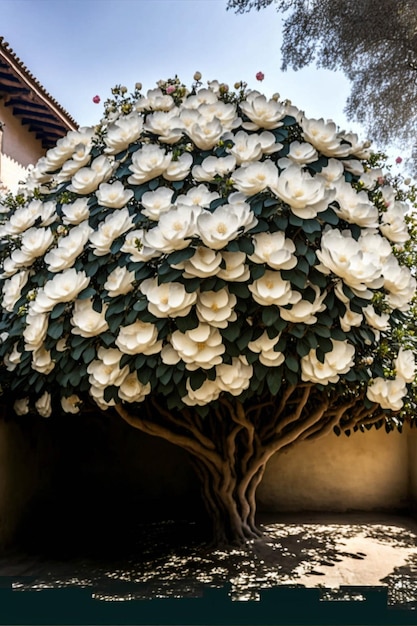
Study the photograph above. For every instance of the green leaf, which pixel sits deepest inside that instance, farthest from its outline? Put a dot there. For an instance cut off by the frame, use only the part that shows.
(192, 284)
(329, 216)
(197, 378)
(58, 310)
(55, 330)
(292, 363)
(257, 271)
(188, 322)
(246, 245)
(311, 226)
(274, 380)
(89, 354)
(88, 292)
(270, 315)
(180, 255)
(231, 332)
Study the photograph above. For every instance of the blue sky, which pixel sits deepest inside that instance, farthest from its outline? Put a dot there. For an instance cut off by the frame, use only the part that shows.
(80, 48)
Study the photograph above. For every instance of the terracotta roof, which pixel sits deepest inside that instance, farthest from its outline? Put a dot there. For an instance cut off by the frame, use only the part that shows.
(30, 102)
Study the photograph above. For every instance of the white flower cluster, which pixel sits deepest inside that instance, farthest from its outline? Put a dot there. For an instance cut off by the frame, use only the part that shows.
(174, 248)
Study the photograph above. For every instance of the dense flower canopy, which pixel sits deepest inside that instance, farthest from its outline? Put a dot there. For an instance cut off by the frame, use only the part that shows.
(202, 243)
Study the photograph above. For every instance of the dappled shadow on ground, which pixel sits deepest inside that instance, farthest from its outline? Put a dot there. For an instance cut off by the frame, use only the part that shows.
(170, 560)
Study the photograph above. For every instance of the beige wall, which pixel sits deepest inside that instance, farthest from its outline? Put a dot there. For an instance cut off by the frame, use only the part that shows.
(19, 148)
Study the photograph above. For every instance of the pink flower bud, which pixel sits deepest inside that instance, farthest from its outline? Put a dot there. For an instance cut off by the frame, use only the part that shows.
(96, 99)
(170, 89)
(398, 160)
(260, 76)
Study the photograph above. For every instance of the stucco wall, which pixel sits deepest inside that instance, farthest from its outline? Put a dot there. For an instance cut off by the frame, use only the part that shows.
(412, 465)
(19, 148)
(366, 471)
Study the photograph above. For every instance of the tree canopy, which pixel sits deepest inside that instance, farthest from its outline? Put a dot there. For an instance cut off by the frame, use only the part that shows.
(218, 269)
(374, 44)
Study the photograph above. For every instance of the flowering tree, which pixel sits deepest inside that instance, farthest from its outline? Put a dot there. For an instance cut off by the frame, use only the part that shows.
(219, 270)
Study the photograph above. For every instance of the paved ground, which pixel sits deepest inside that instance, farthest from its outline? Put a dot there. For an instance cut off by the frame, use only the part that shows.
(168, 560)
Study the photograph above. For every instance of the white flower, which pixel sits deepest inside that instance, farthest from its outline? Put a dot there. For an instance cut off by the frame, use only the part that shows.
(307, 195)
(399, 283)
(222, 225)
(166, 124)
(354, 207)
(86, 321)
(275, 250)
(135, 247)
(155, 101)
(63, 287)
(167, 299)
(302, 153)
(208, 392)
(338, 361)
(87, 179)
(68, 248)
(122, 133)
(205, 135)
(12, 360)
(12, 289)
(264, 346)
(105, 371)
(43, 405)
(200, 347)
(119, 282)
(405, 365)
(213, 166)
(132, 390)
(148, 163)
(41, 361)
(304, 312)
(21, 406)
(157, 202)
(65, 147)
(23, 218)
(200, 196)
(388, 394)
(350, 319)
(80, 158)
(235, 269)
(216, 307)
(224, 112)
(333, 172)
(379, 322)
(323, 136)
(35, 331)
(34, 243)
(113, 195)
(138, 338)
(255, 177)
(113, 226)
(263, 113)
(272, 289)
(174, 230)
(247, 148)
(236, 377)
(71, 404)
(179, 169)
(393, 225)
(370, 178)
(203, 264)
(169, 356)
(76, 212)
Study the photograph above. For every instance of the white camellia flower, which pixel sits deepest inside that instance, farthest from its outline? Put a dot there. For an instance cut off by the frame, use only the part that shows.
(123, 132)
(388, 394)
(132, 390)
(271, 288)
(13, 359)
(248, 148)
(113, 195)
(235, 269)
(333, 172)
(41, 361)
(180, 168)
(157, 202)
(355, 207)
(35, 331)
(208, 392)
(350, 319)
(212, 167)
(66, 146)
(338, 361)
(71, 404)
(264, 346)
(43, 405)
(205, 135)
(304, 312)
(306, 195)
(23, 218)
(21, 406)
(169, 356)
(200, 196)
(68, 248)
(236, 377)
(324, 137)
(155, 100)
(167, 299)
(199, 347)
(393, 225)
(167, 125)
(255, 177)
(119, 282)
(222, 225)
(12, 289)
(105, 371)
(224, 112)
(174, 230)
(302, 153)
(34, 243)
(87, 179)
(399, 283)
(203, 96)
(80, 158)
(148, 163)
(405, 365)
(135, 247)
(262, 113)
(275, 250)
(370, 177)
(86, 321)
(139, 338)
(379, 322)
(76, 212)
(63, 287)
(204, 263)
(216, 307)
(113, 226)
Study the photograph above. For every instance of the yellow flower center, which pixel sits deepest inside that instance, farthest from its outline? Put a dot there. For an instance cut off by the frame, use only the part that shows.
(201, 345)
(221, 228)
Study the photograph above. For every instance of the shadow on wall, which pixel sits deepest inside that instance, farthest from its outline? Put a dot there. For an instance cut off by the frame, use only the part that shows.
(77, 481)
